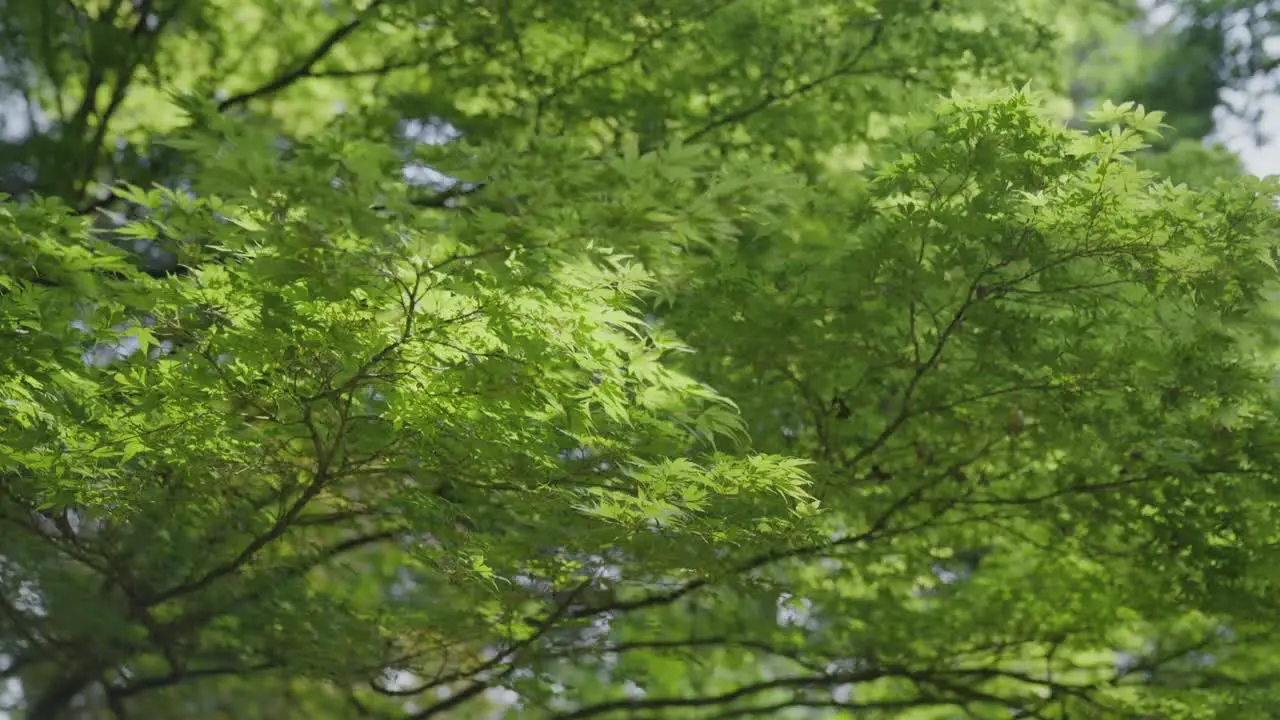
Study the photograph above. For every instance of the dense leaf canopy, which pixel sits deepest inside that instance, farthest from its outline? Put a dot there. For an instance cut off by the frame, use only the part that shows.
(738, 358)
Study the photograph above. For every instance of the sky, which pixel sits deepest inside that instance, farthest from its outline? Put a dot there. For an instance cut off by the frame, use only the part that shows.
(1261, 160)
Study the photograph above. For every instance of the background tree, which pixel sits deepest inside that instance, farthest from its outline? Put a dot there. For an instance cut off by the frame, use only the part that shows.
(1209, 64)
(347, 368)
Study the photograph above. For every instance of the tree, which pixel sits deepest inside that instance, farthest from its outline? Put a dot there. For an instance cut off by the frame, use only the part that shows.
(379, 377)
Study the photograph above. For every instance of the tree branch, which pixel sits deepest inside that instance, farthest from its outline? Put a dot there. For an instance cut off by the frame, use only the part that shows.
(772, 98)
(304, 68)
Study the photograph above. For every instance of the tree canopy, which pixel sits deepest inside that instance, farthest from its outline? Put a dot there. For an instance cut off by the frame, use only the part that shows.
(739, 358)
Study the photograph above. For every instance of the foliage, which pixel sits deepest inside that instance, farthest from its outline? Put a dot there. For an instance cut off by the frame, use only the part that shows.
(1193, 163)
(649, 360)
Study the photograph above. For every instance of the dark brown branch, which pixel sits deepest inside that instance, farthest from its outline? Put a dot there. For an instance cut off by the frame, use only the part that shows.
(949, 680)
(115, 701)
(150, 684)
(801, 702)
(479, 684)
(772, 98)
(53, 703)
(742, 692)
(142, 41)
(97, 75)
(304, 68)
(643, 45)
(389, 66)
(879, 529)
(273, 533)
(282, 524)
(443, 198)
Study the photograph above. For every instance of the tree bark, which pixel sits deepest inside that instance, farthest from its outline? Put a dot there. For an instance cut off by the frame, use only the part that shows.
(56, 700)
